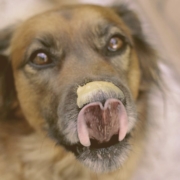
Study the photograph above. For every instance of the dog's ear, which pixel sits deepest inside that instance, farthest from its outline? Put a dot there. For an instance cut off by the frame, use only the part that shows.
(7, 88)
(5, 38)
(146, 53)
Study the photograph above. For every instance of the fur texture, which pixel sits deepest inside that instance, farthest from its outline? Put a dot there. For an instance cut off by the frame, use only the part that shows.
(39, 117)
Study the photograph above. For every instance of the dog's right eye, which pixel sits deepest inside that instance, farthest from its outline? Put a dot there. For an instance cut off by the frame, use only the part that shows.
(40, 60)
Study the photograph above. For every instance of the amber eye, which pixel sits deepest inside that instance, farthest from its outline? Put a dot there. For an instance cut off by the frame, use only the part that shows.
(115, 44)
(40, 59)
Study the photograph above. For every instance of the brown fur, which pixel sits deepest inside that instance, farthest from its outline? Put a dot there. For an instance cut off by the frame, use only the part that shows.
(26, 151)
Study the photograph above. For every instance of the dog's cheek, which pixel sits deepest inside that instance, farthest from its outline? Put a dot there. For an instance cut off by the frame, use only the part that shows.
(29, 101)
(134, 74)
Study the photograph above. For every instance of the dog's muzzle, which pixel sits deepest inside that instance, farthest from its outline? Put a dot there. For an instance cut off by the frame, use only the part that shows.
(102, 114)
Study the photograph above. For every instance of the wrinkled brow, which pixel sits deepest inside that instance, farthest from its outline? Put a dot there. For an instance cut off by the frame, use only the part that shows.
(47, 40)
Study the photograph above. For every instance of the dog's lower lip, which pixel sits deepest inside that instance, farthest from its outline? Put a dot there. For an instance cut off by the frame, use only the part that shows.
(78, 149)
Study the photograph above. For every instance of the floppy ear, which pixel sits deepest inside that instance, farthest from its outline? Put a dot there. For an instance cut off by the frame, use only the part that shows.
(5, 38)
(7, 88)
(146, 54)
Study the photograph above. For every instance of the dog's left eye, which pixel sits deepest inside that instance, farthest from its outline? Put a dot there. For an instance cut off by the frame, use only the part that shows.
(115, 43)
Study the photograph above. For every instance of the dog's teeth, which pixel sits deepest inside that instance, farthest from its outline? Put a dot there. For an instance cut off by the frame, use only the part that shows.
(86, 92)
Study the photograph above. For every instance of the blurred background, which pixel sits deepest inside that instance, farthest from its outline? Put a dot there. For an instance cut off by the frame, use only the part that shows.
(161, 23)
(164, 19)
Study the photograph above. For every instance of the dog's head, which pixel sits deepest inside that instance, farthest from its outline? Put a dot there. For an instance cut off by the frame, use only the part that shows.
(78, 71)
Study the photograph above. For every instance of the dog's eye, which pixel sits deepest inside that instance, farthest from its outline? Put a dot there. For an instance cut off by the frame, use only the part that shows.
(41, 59)
(115, 44)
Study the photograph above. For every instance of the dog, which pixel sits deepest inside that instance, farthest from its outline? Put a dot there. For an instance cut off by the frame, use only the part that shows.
(74, 89)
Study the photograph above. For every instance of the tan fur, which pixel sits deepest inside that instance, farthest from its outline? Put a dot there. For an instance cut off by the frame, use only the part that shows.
(134, 75)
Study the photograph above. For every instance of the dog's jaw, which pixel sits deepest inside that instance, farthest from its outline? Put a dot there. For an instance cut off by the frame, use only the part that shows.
(105, 159)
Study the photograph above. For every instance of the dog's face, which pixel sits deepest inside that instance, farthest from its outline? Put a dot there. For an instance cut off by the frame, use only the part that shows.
(56, 57)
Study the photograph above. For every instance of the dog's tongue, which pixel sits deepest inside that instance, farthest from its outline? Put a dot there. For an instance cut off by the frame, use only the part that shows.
(101, 123)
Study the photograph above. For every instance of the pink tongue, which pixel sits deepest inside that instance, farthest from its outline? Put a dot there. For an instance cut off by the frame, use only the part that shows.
(101, 123)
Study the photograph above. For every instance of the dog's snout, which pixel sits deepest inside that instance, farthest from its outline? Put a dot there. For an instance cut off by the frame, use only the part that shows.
(103, 114)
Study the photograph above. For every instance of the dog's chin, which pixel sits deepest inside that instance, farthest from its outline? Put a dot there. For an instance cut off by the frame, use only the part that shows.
(102, 158)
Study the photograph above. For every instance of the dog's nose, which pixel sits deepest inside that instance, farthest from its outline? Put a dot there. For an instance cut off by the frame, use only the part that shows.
(100, 123)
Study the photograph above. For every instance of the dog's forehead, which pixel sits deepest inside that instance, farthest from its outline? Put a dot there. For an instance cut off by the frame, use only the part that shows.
(80, 13)
(74, 18)
(71, 18)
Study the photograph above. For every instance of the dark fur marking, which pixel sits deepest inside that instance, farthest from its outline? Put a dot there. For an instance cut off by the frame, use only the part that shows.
(147, 55)
(130, 19)
(46, 40)
(5, 37)
(68, 15)
(7, 88)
